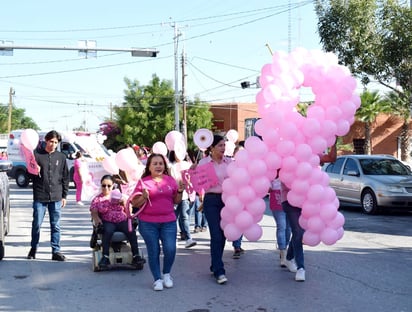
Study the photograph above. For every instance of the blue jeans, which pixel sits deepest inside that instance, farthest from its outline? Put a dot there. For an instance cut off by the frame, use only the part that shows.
(110, 228)
(282, 228)
(39, 211)
(200, 219)
(237, 243)
(212, 206)
(295, 249)
(183, 217)
(152, 233)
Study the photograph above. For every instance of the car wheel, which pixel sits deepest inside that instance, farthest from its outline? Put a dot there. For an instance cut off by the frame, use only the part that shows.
(22, 179)
(369, 204)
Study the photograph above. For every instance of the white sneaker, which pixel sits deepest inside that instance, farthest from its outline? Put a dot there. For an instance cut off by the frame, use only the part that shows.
(291, 265)
(300, 275)
(167, 281)
(221, 279)
(158, 285)
(80, 203)
(190, 243)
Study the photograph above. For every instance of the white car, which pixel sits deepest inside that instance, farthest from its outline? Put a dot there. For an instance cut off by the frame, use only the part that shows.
(375, 182)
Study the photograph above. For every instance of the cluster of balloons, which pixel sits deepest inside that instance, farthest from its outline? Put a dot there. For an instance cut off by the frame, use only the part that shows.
(292, 144)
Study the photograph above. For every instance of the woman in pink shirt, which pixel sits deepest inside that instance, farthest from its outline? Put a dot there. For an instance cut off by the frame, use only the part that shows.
(109, 210)
(156, 194)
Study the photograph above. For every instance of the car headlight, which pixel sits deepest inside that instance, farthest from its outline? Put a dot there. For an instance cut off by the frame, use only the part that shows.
(395, 189)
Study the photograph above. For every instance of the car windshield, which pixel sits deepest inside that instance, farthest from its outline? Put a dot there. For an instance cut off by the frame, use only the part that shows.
(383, 167)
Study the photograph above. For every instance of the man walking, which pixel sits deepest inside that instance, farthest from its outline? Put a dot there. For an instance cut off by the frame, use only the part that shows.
(50, 188)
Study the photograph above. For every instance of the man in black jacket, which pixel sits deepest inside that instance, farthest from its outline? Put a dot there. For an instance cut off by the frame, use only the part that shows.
(50, 188)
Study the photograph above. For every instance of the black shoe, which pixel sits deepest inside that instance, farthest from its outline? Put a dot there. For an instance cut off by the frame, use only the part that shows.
(104, 262)
(138, 260)
(32, 253)
(58, 256)
(236, 253)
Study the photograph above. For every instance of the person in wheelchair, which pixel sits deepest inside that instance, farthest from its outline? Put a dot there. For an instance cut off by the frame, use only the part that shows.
(108, 212)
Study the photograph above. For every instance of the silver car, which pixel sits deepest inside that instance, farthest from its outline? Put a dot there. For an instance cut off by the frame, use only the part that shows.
(5, 166)
(373, 181)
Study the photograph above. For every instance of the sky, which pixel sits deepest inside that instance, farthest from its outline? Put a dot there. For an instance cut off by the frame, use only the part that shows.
(225, 43)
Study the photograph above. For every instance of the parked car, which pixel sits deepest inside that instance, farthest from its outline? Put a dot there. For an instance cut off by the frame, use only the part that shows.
(5, 166)
(375, 182)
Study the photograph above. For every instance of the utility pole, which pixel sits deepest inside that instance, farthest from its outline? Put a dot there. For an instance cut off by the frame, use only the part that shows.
(184, 104)
(11, 93)
(176, 42)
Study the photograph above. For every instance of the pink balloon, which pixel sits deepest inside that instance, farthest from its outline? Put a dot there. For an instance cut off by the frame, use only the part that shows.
(232, 232)
(257, 167)
(286, 148)
(338, 221)
(30, 139)
(303, 170)
(310, 209)
(310, 127)
(246, 194)
(288, 130)
(227, 215)
(234, 204)
(300, 186)
(253, 233)
(240, 176)
(126, 159)
(160, 148)
(243, 220)
(255, 146)
(273, 161)
(260, 185)
(289, 163)
(316, 224)
(303, 222)
(109, 164)
(295, 199)
(315, 193)
(303, 152)
(329, 236)
(311, 239)
(256, 207)
(171, 138)
(242, 158)
(229, 187)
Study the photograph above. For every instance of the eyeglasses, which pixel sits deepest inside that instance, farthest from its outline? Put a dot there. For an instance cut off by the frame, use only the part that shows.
(107, 185)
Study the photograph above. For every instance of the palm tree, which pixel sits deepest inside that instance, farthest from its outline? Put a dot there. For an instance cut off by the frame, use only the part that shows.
(371, 106)
(400, 106)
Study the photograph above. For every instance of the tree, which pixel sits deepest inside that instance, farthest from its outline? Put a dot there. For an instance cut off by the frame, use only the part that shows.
(373, 39)
(147, 114)
(371, 106)
(18, 119)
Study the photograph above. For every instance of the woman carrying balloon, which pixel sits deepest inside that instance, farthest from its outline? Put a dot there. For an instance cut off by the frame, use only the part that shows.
(156, 194)
(213, 204)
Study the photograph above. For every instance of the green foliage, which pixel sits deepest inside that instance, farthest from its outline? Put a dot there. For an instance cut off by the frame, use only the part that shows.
(373, 38)
(147, 114)
(18, 119)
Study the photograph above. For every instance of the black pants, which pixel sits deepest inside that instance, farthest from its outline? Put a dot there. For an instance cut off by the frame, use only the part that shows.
(110, 228)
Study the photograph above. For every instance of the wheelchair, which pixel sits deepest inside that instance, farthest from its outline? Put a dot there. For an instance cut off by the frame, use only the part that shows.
(120, 251)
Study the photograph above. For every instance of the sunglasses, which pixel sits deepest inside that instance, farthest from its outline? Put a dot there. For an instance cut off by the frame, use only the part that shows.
(107, 185)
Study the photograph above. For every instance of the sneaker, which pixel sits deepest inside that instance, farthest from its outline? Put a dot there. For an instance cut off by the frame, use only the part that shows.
(198, 229)
(204, 229)
(32, 254)
(236, 254)
(291, 265)
(104, 262)
(190, 243)
(300, 275)
(80, 203)
(221, 279)
(158, 285)
(167, 281)
(58, 256)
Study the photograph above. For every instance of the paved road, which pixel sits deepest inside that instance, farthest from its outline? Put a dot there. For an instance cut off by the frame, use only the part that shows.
(368, 270)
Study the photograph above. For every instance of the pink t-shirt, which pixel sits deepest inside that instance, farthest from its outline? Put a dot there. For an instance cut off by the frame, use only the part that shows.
(108, 210)
(160, 208)
(221, 172)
